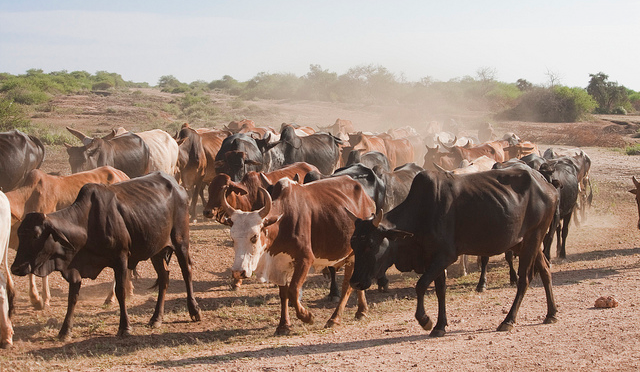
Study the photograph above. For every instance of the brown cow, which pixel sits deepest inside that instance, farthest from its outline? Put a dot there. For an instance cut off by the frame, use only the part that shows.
(341, 129)
(399, 151)
(520, 150)
(365, 143)
(306, 225)
(237, 126)
(45, 193)
(196, 160)
(456, 154)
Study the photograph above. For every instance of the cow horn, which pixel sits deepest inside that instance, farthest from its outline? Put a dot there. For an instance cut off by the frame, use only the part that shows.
(229, 210)
(264, 212)
(81, 136)
(377, 218)
(351, 215)
(635, 181)
(448, 148)
(439, 168)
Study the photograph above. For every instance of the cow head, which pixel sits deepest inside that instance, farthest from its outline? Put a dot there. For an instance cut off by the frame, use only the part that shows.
(636, 192)
(221, 186)
(249, 234)
(370, 243)
(82, 158)
(43, 248)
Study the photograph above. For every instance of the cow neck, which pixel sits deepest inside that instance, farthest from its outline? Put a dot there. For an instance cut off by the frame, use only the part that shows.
(73, 223)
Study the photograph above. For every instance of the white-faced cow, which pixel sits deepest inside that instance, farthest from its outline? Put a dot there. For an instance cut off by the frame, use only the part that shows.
(127, 152)
(45, 193)
(113, 226)
(305, 226)
(19, 154)
(6, 284)
(445, 216)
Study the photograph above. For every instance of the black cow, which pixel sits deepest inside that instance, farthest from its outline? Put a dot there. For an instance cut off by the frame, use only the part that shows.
(563, 173)
(397, 183)
(127, 152)
(446, 215)
(369, 159)
(583, 162)
(238, 155)
(113, 226)
(318, 149)
(19, 154)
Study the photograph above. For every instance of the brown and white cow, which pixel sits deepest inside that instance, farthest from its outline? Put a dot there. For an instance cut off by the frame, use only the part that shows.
(45, 193)
(305, 226)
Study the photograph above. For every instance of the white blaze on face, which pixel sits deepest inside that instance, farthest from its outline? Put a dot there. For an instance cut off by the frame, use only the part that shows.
(248, 241)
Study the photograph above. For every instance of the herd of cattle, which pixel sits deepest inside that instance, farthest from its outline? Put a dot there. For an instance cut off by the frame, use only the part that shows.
(293, 199)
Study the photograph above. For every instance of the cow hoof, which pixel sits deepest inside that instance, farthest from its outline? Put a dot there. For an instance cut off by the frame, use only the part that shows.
(334, 299)
(38, 305)
(481, 288)
(64, 337)
(437, 333)
(332, 323)
(283, 330)
(361, 315)
(550, 319)
(426, 323)
(383, 288)
(154, 323)
(505, 327)
(124, 333)
(196, 317)
(6, 345)
(309, 319)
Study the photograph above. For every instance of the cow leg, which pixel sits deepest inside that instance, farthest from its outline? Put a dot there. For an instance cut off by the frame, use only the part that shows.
(111, 297)
(298, 278)
(120, 273)
(542, 267)
(383, 283)
(46, 293)
(160, 265)
(34, 295)
(435, 270)
(284, 327)
(441, 288)
(530, 249)
(562, 253)
(334, 293)
(192, 206)
(72, 299)
(513, 276)
(182, 253)
(6, 328)
(482, 282)
(346, 293)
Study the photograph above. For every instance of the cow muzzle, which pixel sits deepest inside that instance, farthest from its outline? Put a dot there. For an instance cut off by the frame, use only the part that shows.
(239, 274)
(208, 213)
(21, 270)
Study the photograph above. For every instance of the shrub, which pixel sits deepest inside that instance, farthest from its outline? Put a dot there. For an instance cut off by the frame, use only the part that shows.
(12, 116)
(556, 105)
(633, 149)
(619, 111)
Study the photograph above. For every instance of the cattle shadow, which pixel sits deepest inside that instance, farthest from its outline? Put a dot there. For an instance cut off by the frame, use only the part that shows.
(109, 346)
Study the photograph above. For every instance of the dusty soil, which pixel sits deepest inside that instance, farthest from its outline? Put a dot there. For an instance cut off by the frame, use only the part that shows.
(236, 332)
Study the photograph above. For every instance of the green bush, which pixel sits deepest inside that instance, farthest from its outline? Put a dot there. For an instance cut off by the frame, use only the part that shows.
(12, 116)
(633, 149)
(557, 104)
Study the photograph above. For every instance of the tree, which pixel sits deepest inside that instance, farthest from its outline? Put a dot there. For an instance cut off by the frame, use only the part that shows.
(608, 94)
(523, 85)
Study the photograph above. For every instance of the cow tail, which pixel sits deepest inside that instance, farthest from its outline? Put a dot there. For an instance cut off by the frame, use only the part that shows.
(590, 197)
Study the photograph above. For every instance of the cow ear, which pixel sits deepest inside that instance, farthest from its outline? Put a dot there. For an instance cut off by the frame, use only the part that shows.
(296, 178)
(271, 220)
(394, 234)
(238, 188)
(219, 163)
(557, 184)
(634, 191)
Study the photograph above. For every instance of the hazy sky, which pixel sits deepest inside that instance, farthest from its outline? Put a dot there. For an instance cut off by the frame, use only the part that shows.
(204, 40)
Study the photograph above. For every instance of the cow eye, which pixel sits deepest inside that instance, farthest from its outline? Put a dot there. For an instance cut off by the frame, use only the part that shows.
(254, 239)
